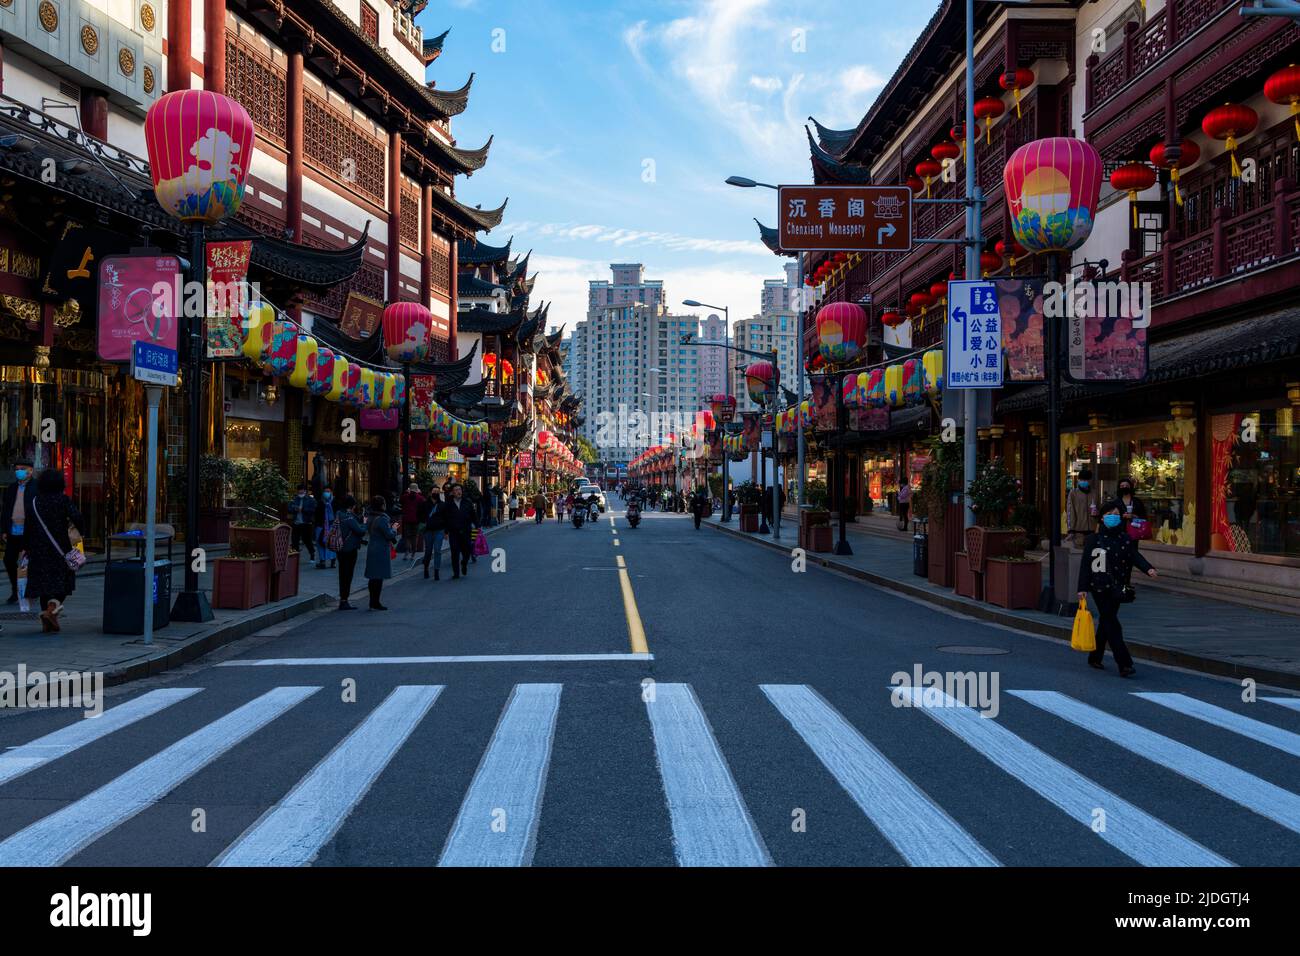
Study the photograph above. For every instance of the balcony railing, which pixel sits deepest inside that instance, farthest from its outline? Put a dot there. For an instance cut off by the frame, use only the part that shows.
(1142, 46)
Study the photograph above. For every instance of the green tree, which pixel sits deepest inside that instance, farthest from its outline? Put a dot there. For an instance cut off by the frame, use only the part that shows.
(587, 451)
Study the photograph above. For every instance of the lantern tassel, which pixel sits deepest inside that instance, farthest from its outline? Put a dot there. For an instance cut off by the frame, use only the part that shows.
(988, 133)
(1230, 144)
(1132, 201)
(927, 186)
(1295, 115)
(1178, 193)
(1016, 90)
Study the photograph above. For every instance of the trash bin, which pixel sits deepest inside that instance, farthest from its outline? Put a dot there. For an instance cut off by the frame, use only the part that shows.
(124, 586)
(920, 553)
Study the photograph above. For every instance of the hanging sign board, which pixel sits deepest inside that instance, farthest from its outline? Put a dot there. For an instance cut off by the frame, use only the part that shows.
(845, 218)
(1106, 331)
(974, 341)
(137, 302)
(227, 274)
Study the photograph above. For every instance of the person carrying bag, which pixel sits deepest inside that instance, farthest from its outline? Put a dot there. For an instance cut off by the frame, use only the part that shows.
(52, 561)
(1109, 556)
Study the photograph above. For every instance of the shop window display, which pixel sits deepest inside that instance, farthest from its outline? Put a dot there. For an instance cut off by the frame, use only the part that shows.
(1160, 457)
(1255, 482)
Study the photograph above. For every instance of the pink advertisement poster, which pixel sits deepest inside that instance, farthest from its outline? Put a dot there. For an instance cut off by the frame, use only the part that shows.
(380, 419)
(137, 301)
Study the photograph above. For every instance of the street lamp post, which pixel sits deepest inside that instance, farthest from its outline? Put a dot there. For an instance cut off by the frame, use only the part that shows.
(726, 388)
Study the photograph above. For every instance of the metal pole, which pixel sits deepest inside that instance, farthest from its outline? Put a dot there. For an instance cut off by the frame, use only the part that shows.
(153, 395)
(406, 427)
(192, 604)
(841, 467)
(798, 360)
(972, 259)
(776, 472)
(1049, 601)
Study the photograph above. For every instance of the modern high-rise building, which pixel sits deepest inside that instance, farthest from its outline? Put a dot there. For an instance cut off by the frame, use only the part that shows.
(713, 362)
(627, 361)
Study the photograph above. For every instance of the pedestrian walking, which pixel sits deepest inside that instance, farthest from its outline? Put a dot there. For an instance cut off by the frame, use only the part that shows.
(302, 516)
(699, 504)
(411, 501)
(351, 534)
(15, 506)
(379, 551)
(51, 558)
(539, 507)
(434, 532)
(560, 507)
(514, 505)
(1115, 555)
(1081, 509)
(324, 521)
(1133, 511)
(904, 503)
(459, 518)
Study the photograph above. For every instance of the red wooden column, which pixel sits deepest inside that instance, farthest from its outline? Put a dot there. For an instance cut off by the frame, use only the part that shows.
(293, 135)
(214, 45)
(426, 244)
(394, 215)
(94, 114)
(454, 282)
(178, 46)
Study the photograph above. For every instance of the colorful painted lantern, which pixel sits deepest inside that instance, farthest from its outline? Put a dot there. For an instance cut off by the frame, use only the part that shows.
(386, 389)
(1175, 157)
(399, 391)
(1052, 186)
(1283, 87)
(258, 316)
(338, 379)
(849, 391)
(322, 373)
(351, 394)
(805, 414)
(200, 145)
(1230, 122)
(841, 332)
(1133, 178)
(913, 381)
(761, 378)
(894, 386)
(407, 326)
(304, 362)
(279, 348)
(723, 407)
(932, 362)
(876, 397)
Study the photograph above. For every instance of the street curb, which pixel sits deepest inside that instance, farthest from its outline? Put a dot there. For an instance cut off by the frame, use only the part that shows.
(1151, 652)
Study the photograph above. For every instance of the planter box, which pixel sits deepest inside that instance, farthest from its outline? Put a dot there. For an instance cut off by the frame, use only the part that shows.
(1013, 584)
(819, 538)
(214, 525)
(945, 541)
(966, 582)
(241, 583)
(284, 584)
(748, 521)
(273, 542)
(985, 543)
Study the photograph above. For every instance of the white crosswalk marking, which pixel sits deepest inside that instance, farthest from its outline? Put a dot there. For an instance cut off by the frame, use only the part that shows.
(918, 828)
(22, 759)
(1253, 793)
(1283, 740)
(497, 823)
(292, 833)
(711, 825)
(1291, 703)
(51, 840)
(1129, 829)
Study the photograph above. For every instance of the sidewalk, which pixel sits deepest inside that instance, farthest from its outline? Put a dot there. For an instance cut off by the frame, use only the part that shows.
(1171, 627)
(82, 645)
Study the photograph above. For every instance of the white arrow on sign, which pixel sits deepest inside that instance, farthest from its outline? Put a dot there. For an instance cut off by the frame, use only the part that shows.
(888, 229)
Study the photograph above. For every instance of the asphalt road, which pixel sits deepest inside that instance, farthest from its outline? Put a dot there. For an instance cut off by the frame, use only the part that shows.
(748, 720)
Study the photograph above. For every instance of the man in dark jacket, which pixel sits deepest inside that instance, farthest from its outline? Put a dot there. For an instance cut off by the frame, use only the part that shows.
(459, 517)
(14, 515)
(302, 515)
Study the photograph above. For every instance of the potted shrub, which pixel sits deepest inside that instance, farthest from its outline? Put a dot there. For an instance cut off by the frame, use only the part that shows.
(748, 495)
(242, 579)
(1013, 581)
(263, 492)
(993, 494)
(940, 479)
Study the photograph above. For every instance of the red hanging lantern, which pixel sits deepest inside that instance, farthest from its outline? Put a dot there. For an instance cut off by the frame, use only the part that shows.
(1175, 157)
(1052, 186)
(989, 108)
(891, 318)
(958, 134)
(407, 326)
(920, 301)
(1013, 249)
(841, 332)
(927, 169)
(1133, 178)
(990, 262)
(945, 151)
(1015, 81)
(200, 146)
(840, 256)
(1230, 122)
(938, 290)
(915, 183)
(1284, 87)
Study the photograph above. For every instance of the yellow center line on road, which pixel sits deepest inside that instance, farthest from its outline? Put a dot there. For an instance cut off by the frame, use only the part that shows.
(635, 632)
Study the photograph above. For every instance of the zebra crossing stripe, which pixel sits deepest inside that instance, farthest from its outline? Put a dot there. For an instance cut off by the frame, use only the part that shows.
(1128, 829)
(51, 840)
(1257, 730)
(455, 659)
(1248, 790)
(26, 757)
(293, 832)
(711, 825)
(497, 823)
(915, 825)
(1291, 703)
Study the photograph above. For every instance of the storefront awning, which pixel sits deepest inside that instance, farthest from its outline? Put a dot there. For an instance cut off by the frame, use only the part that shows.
(1246, 343)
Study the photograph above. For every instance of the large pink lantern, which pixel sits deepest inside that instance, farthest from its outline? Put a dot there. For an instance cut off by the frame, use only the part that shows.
(761, 379)
(406, 332)
(1052, 186)
(200, 146)
(841, 332)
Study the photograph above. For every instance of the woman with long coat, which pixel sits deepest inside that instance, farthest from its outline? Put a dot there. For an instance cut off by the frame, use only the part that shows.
(379, 561)
(47, 541)
(1109, 557)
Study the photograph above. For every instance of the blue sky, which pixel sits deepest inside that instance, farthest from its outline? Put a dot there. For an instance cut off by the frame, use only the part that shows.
(616, 123)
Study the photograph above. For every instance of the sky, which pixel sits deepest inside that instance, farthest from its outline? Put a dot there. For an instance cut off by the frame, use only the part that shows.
(616, 123)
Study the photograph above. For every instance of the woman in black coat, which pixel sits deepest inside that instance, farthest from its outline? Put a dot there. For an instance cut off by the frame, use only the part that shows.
(1109, 556)
(48, 574)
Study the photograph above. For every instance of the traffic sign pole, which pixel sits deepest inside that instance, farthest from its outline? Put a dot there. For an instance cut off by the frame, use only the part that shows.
(153, 394)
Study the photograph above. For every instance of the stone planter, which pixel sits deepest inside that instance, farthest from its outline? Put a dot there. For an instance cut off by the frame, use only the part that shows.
(273, 542)
(241, 583)
(1012, 584)
(966, 582)
(284, 584)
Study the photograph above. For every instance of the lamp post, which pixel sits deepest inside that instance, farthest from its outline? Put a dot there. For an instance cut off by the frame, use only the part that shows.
(726, 389)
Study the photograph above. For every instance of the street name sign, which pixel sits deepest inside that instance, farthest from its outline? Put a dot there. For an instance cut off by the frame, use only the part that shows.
(153, 364)
(845, 218)
(974, 352)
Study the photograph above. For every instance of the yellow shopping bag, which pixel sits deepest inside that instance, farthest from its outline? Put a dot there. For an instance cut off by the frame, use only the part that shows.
(1084, 636)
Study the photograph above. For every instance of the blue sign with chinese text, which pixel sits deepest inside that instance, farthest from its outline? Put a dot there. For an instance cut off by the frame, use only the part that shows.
(153, 364)
(974, 345)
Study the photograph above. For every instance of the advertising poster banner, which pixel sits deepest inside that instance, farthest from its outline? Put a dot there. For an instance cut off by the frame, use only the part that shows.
(715, 446)
(750, 430)
(869, 419)
(1110, 348)
(227, 297)
(1020, 303)
(421, 399)
(823, 402)
(137, 302)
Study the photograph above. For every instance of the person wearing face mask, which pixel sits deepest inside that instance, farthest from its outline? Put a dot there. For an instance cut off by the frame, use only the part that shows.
(323, 521)
(1108, 560)
(1081, 509)
(1131, 506)
(14, 509)
(302, 515)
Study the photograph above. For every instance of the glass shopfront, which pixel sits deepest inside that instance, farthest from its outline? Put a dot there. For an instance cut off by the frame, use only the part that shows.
(1255, 482)
(1160, 457)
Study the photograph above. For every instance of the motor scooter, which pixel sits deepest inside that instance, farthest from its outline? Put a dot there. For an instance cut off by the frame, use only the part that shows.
(579, 516)
(633, 514)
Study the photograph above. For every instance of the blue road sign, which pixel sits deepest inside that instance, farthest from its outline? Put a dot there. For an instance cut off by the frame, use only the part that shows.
(153, 364)
(974, 346)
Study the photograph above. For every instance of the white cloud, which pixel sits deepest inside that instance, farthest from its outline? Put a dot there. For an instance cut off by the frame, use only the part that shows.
(619, 236)
(767, 84)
